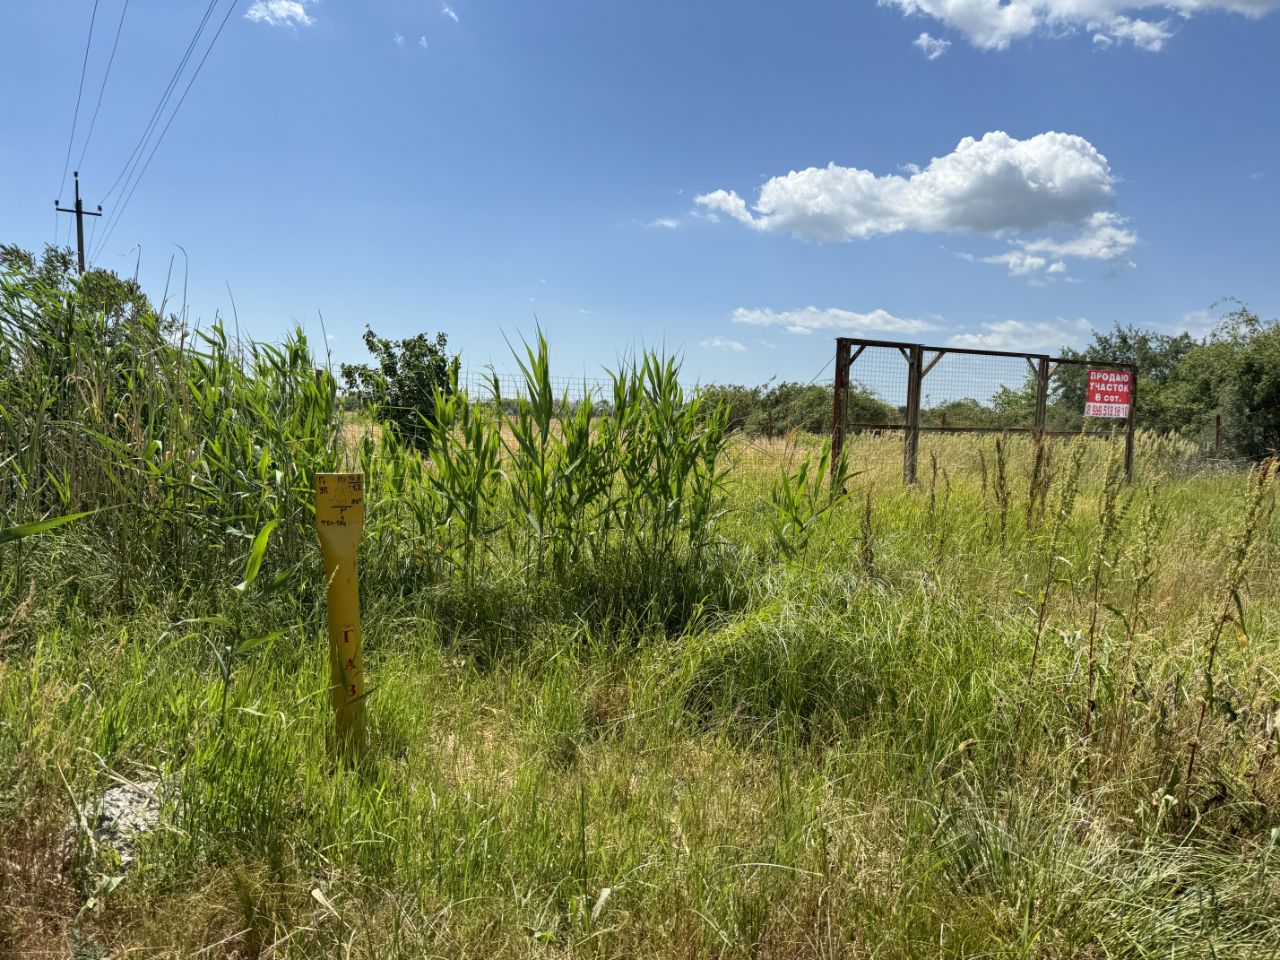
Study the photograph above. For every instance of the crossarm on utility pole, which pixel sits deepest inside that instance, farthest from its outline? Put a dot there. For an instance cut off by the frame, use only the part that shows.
(80, 213)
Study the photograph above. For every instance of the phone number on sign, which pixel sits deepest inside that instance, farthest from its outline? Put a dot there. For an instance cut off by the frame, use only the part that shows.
(1106, 410)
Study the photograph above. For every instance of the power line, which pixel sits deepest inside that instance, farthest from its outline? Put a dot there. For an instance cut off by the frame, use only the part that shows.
(160, 139)
(103, 89)
(75, 118)
(164, 101)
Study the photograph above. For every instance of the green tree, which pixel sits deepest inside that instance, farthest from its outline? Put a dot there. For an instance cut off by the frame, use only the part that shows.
(741, 403)
(403, 387)
(1235, 372)
(1159, 356)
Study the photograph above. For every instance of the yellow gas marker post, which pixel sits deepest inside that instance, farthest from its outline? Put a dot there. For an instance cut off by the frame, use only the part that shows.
(340, 524)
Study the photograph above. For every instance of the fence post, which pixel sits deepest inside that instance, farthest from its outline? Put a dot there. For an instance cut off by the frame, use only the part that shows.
(1131, 426)
(839, 405)
(911, 435)
(340, 524)
(1217, 436)
(1042, 395)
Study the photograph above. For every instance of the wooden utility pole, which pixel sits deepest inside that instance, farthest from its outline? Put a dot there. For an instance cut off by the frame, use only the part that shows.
(80, 213)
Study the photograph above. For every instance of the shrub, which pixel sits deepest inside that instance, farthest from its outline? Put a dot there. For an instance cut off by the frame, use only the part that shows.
(411, 375)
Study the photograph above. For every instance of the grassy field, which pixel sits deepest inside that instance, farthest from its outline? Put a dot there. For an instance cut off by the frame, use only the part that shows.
(674, 703)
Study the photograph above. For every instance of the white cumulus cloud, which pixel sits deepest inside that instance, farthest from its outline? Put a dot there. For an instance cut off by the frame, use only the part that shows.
(813, 319)
(1049, 195)
(723, 343)
(930, 46)
(1038, 336)
(995, 24)
(279, 13)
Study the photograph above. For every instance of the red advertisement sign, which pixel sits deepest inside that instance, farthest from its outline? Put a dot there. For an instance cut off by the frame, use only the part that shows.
(1110, 393)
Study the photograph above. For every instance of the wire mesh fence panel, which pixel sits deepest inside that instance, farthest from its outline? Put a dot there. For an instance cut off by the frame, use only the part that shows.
(930, 395)
(877, 389)
(974, 392)
(977, 416)
(875, 407)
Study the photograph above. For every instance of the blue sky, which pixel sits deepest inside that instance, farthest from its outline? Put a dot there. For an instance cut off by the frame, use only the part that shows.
(740, 181)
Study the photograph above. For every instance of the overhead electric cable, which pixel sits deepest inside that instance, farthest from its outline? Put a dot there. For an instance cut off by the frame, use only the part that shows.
(164, 101)
(75, 117)
(103, 89)
(119, 212)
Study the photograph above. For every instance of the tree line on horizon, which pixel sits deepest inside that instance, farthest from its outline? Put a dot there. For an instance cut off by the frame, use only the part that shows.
(1184, 382)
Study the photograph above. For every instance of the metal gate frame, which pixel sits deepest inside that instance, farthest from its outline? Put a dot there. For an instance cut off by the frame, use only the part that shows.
(921, 359)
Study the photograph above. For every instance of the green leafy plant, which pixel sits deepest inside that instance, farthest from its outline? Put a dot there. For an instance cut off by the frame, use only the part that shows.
(406, 383)
(800, 502)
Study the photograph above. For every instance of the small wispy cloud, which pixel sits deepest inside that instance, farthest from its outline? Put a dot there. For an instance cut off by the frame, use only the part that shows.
(398, 39)
(932, 47)
(723, 343)
(813, 319)
(666, 223)
(447, 11)
(1021, 263)
(422, 42)
(279, 13)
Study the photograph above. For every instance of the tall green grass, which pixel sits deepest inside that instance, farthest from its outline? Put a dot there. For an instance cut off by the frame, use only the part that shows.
(633, 697)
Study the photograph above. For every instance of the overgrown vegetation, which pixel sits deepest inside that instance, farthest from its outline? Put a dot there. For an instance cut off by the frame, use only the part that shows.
(629, 700)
